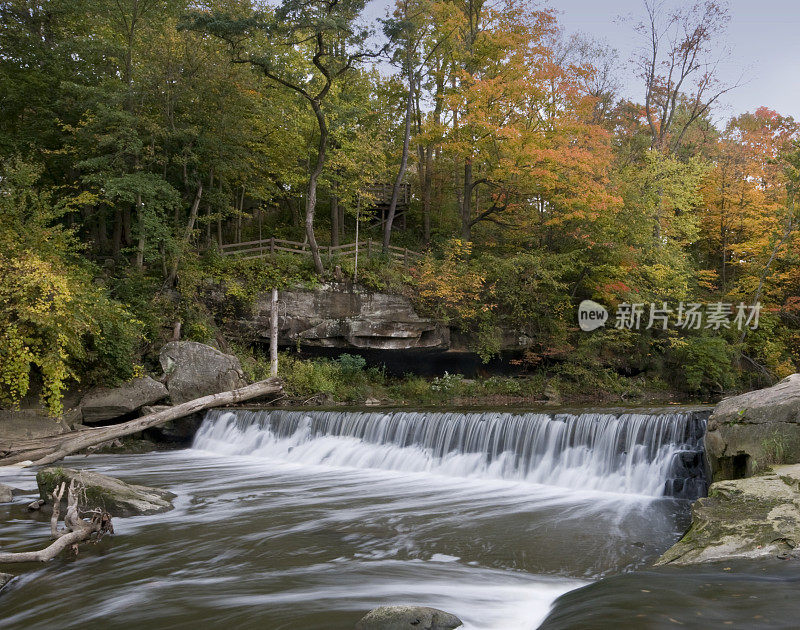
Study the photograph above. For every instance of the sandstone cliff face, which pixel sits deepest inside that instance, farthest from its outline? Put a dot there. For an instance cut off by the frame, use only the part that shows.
(333, 317)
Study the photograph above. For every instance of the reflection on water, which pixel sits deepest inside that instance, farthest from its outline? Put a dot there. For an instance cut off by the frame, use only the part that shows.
(257, 543)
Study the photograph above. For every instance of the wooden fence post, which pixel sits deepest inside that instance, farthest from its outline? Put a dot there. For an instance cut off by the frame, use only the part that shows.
(273, 335)
(271, 245)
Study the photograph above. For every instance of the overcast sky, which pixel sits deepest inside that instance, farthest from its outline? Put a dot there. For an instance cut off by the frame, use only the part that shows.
(763, 38)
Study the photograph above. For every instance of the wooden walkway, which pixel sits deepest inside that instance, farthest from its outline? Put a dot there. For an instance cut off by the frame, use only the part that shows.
(269, 246)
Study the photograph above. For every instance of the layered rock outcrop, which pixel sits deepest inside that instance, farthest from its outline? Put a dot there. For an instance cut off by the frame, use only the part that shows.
(334, 317)
(752, 431)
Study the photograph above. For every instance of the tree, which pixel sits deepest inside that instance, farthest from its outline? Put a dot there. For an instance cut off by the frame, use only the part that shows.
(325, 33)
(678, 66)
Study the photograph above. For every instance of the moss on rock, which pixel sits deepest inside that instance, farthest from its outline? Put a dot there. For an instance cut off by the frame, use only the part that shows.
(100, 491)
(743, 518)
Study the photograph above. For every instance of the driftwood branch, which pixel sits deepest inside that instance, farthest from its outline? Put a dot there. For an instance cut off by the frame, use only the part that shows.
(75, 530)
(47, 450)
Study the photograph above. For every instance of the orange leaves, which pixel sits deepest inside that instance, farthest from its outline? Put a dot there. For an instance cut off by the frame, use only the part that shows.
(450, 288)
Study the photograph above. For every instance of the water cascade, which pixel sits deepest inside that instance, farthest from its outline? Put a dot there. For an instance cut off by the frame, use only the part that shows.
(653, 454)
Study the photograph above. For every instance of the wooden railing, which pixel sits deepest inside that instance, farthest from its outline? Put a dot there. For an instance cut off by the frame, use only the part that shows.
(270, 246)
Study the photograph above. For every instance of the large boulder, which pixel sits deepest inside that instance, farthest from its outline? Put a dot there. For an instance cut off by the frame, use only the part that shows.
(408, 618)
(743, 518)
(194, 369)
(100, 491)
(750, 432)
(107, 404)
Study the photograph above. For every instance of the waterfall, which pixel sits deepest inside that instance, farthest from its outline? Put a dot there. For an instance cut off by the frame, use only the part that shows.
(654, 454)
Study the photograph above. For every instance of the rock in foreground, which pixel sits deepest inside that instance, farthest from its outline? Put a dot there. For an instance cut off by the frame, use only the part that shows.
(5, 578)
(107, 404)
(6, 493)
(408, 618)
(750, 432)
(115, 496)
(743, 518)
(195, 369)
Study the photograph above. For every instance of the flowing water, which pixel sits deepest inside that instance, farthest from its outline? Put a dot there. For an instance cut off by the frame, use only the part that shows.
(305, 520)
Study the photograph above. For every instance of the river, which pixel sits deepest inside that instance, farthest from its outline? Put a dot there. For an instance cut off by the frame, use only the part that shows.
(306, 520)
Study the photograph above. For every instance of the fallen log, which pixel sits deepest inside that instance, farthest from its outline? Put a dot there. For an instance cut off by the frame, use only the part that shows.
(75, 530)
(43, 451)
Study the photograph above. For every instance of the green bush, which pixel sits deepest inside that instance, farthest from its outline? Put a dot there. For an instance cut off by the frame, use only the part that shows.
(703, 364)
(351, 363)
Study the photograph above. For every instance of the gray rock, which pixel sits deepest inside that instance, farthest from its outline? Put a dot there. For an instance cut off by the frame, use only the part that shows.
(26, 424)
(115, 496)
(339, 316)
(5, 578)
(743, 518)
(753, 431)
(106, 404)
(6, 493)
(194, 369)
(408, 618)
(36, 505)
(178, 431)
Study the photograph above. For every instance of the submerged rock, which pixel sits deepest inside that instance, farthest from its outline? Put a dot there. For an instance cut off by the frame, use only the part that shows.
(107, 404)
(195, 369)
(743, 518)
(750, 432)
(5, 578)
(408, 618)
(115, 496)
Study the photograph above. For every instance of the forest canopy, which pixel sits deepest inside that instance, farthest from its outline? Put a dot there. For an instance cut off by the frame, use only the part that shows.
(137, 137)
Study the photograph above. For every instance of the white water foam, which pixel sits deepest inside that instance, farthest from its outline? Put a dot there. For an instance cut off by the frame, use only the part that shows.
(630, 453)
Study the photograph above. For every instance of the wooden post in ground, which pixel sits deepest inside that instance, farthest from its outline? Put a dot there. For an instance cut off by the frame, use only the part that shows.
(273, 335)
(272, 246)
(358, 212)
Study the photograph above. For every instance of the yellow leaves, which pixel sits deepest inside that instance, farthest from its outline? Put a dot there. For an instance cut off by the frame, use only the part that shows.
(45, 313)
(451, 288)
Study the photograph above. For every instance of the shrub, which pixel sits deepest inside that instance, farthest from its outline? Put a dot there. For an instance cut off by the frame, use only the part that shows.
(54, 320)
(351, 363)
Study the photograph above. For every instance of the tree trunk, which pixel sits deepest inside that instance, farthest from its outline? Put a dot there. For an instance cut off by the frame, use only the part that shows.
(102, 230)
(76, 529)
(187, 237)
(126, 227)
(116, 237)
(466, 198)
(273, 335)
(311, 195)
(334, 220)
(398, 182)
(53, 448)
(757, 297)
(141, 243)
